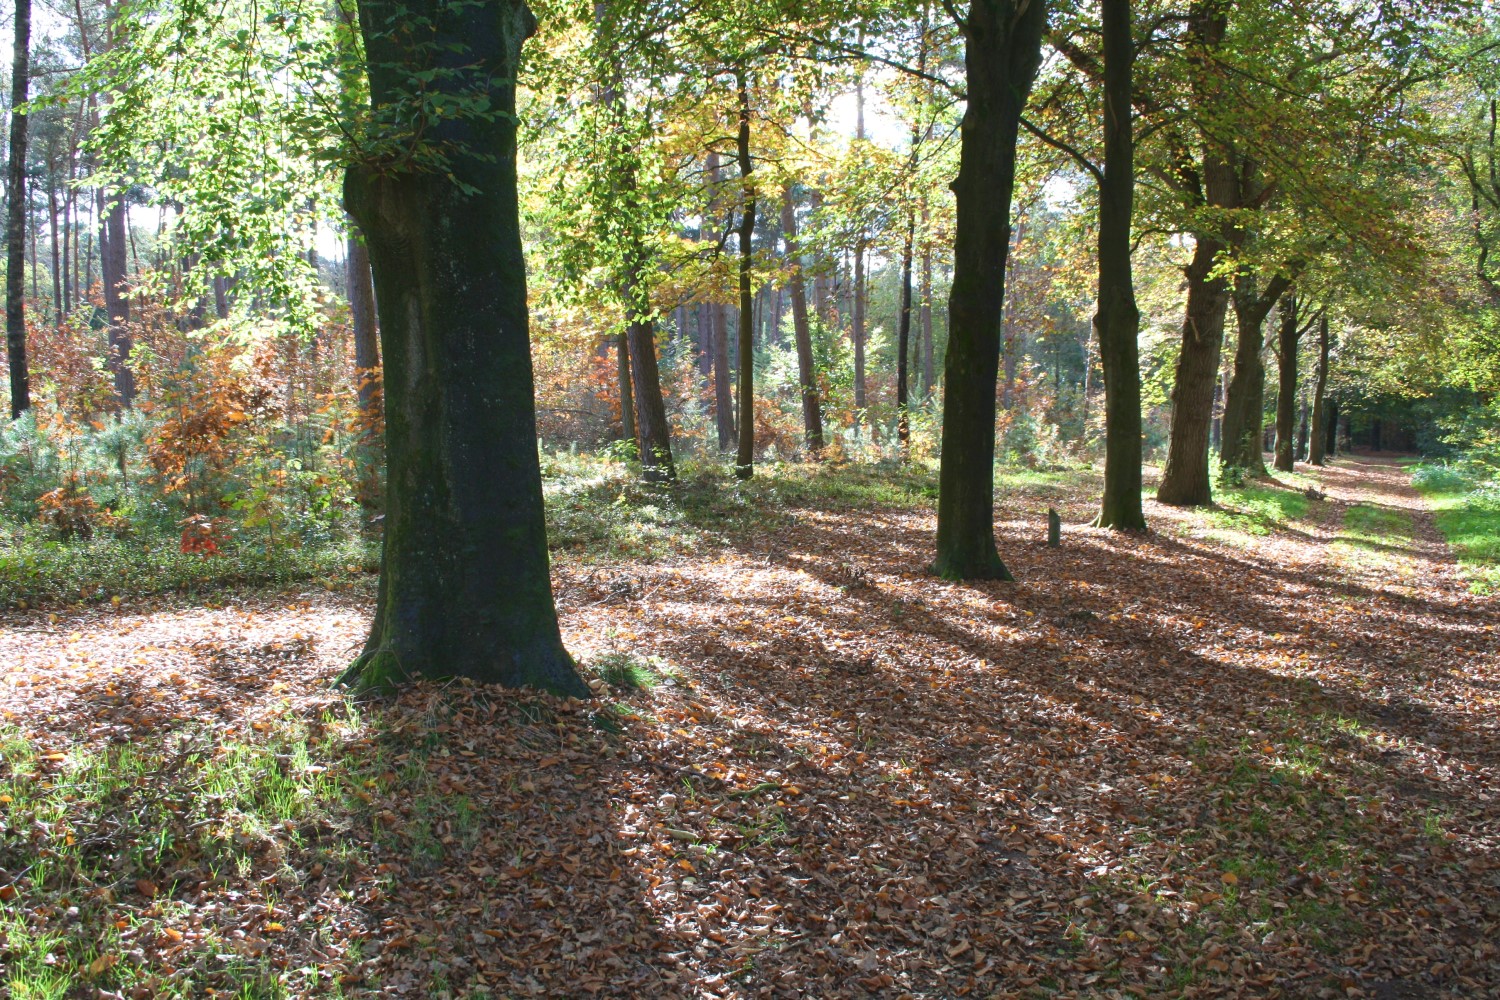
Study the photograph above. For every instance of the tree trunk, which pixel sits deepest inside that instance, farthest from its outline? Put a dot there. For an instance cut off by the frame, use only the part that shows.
(366, 333)
(112, 260)
(465, 587)
(57, 293)
(1184, 481)
(15, 220)
(653, 435)
(928, 365)
(1303, 417)
(807, 376)
(903, 339)
(1117, 321)
(1286, 385)
(857, 331)
(744, 466)
(1245, 402)
(623, 386)
(68, 285)
(723, 392)
(1317, 446)
(1002, 52)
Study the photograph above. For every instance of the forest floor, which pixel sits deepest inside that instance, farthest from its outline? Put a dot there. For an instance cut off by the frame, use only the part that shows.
(1253, 753)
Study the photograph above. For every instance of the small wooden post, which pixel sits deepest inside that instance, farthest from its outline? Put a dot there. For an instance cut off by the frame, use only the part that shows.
(1054, 529)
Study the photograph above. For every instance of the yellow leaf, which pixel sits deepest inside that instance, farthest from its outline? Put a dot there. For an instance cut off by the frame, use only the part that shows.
(102, 964)
(1230, 878)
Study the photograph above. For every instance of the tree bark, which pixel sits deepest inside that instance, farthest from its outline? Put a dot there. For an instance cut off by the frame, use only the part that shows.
(366, 332)
(1002, 52)
(903, 339)
(744, 466)
(1244, 403)
(1317, 446)
(807, 376)
(653, 435)
(1185, 480)
(928, 365)
(465, 587)
(112, 260)
(15, 219)
(1286, 384)
(1117, 320)
(719, 336)
(57, 292)
(623, 386)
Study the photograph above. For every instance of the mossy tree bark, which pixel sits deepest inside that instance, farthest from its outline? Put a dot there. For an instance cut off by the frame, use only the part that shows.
(1118, 320)
(465, 588)
(1002, 52)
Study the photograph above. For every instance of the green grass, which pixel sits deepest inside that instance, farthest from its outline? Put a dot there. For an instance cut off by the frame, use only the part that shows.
(1256, 509)
(38, 571)
(1468, 515)
(102, 846)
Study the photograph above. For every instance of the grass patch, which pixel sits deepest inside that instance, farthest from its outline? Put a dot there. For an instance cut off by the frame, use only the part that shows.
(104, 852)
(1468, 515)
(1257, 510)
(38, 571)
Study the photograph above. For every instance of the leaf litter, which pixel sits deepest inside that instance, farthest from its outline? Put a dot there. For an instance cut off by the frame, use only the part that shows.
(1198, 763)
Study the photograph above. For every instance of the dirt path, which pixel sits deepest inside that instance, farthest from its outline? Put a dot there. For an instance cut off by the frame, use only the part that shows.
(1402, 546)
(1205, 762)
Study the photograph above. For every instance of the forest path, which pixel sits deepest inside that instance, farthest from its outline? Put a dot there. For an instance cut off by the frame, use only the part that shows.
(1380, 531)
(1253, 753)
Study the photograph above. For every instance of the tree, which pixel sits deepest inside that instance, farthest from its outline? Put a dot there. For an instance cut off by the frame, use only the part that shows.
(1002, 53)
(15, 227)
(1317, 448)
(1117, 320)
(744, 465)
(807, 385)
(465, 587)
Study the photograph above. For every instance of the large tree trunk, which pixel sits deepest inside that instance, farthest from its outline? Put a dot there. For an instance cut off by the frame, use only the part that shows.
(112, 259)
(15, 219)
(1317, 446)
(465, 587)
(1286, 384)
(1117, 321)
(1245, 402)
(1002, 52)
(1185, 480)
(744, 465)
(807, 376)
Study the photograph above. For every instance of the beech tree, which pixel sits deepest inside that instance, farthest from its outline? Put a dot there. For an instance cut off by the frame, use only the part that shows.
(16, 210)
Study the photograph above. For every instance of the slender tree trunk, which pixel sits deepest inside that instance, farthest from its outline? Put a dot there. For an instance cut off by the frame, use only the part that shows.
(112, 258)
(1286, 384)
(1302, 423)
(807, 376)
(857, 308)
(1002, 52)
(15, 220)
(464, 587)
(57, 293)
(623, 383)
(928, 363)
(1317, 447)
(744, 466)
(723, 392)
(1117, 320)
(653, 434)
(366, 332)
(68, 284)
(903, 339)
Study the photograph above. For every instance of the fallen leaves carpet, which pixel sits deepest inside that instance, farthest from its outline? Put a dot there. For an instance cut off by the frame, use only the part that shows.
(1202, 762)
